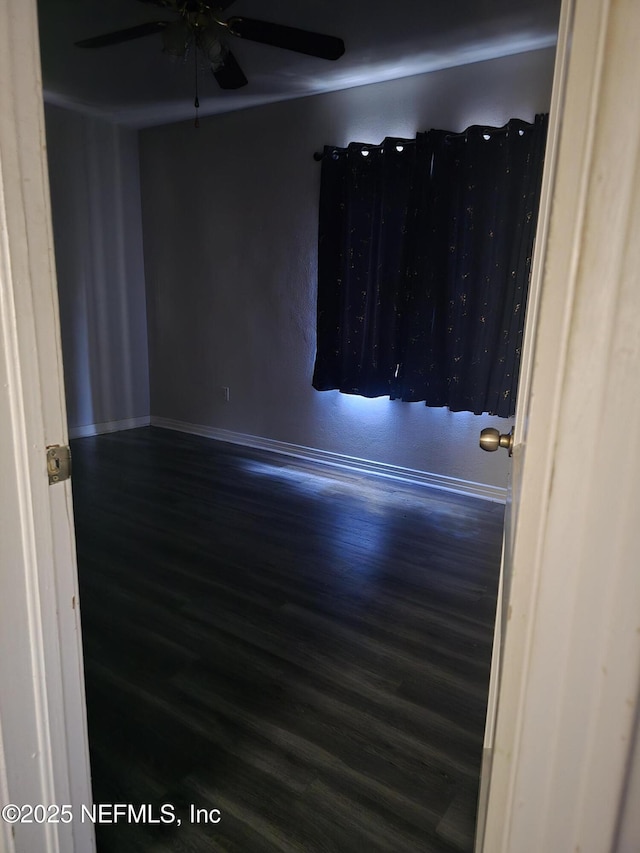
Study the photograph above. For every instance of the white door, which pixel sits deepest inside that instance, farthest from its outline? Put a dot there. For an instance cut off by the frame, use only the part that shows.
(522, 408)
(43, 737)
(568, 686)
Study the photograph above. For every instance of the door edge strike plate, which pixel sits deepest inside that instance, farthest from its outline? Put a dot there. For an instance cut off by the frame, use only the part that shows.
(58, 463)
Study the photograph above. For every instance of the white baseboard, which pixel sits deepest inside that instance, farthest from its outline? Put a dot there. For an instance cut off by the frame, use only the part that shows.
(108, 426)
(381, 469)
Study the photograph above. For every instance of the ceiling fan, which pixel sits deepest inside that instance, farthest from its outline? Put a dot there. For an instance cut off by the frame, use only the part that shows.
(199, 26)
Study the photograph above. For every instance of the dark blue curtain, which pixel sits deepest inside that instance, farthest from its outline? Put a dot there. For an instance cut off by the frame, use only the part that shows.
(424, 257)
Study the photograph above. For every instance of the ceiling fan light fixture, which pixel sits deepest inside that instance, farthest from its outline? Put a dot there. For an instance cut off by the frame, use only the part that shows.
(217, 61)
(175, 39)
(211, 47)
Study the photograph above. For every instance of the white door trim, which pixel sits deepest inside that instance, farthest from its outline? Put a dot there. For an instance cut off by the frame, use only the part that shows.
(43, 741)
(571, 663)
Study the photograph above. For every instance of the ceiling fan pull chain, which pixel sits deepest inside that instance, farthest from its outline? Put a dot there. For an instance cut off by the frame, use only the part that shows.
(196, 102)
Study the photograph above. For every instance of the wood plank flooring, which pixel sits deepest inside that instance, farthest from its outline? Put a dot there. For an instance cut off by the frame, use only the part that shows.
(303, 648)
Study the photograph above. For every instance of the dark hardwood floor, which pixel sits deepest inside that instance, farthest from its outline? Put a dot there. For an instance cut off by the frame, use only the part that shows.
(303, 648)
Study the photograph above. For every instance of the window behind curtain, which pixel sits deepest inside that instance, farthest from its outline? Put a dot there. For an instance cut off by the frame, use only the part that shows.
(424, 257)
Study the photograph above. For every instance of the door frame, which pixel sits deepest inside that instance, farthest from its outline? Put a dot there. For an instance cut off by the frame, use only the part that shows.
(569, 688)
(44, 755)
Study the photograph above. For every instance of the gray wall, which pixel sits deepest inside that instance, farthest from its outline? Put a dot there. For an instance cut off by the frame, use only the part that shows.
(95, 198)
(230, 228)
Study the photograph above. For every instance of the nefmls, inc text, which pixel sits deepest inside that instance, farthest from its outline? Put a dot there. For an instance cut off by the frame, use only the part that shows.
(146, 813)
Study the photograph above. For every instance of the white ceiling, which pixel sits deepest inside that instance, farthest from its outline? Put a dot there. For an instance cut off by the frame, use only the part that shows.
(137, 84)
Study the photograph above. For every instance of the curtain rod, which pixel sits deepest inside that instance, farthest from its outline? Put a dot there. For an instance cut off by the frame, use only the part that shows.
(320, 155)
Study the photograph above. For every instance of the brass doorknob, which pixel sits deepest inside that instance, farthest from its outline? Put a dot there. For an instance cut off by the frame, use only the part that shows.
(490, 440)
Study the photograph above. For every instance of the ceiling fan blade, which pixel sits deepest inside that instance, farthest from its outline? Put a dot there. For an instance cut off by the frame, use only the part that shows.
(124, 35)
(229, 75)
(290, 38)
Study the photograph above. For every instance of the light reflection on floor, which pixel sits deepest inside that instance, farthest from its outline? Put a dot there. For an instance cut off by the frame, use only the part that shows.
(377, 494)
